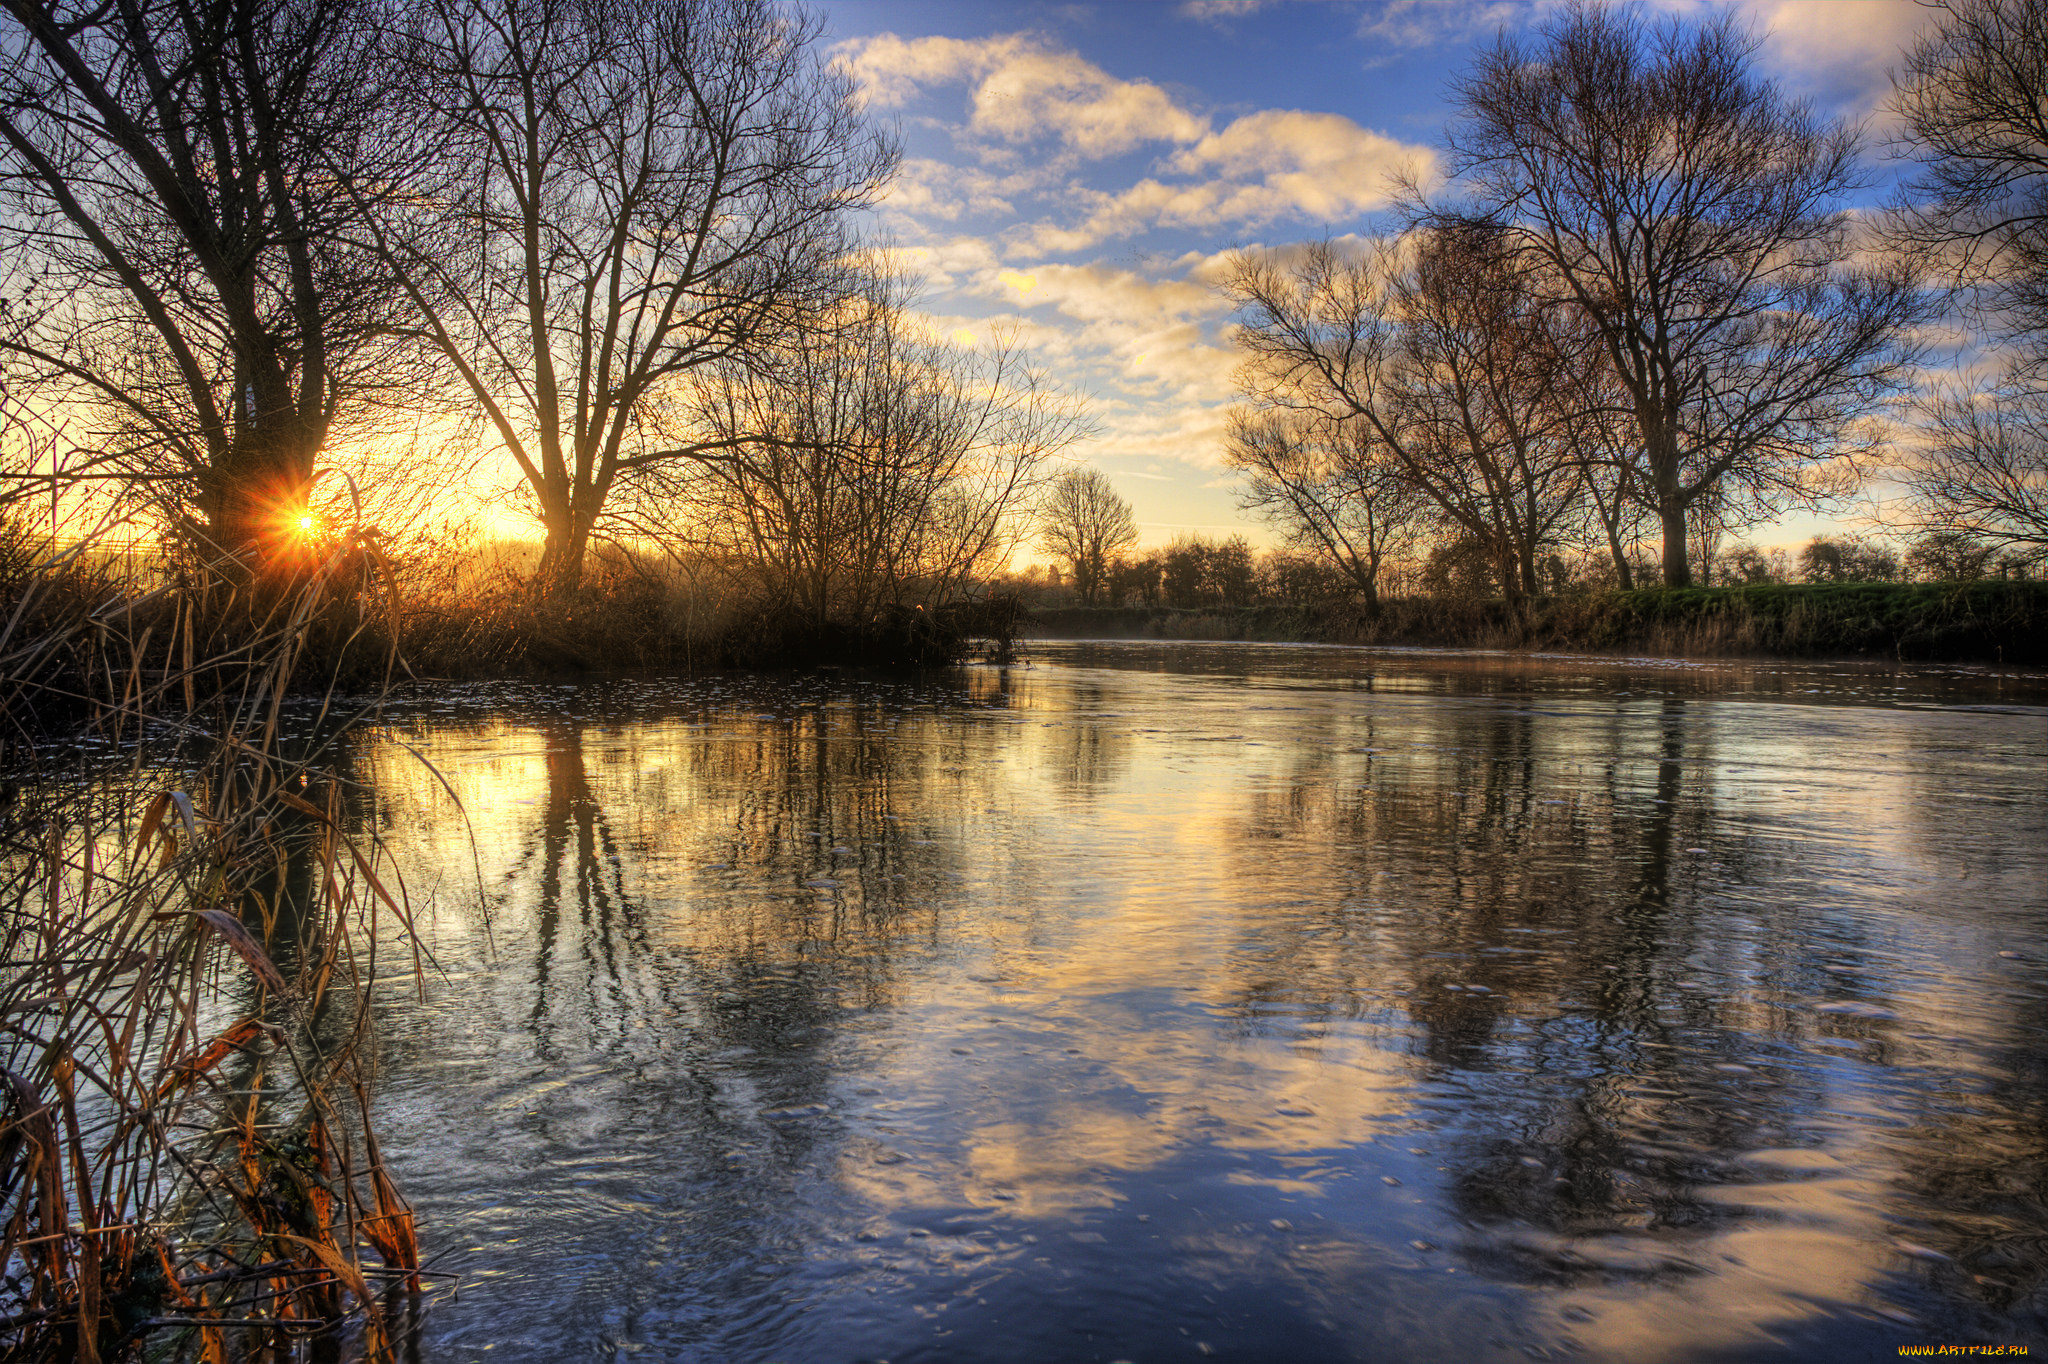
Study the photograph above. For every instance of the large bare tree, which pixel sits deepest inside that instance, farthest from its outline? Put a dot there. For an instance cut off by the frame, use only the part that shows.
(1982, 470)
(1696, 216)
(182, 302)
(1085, 523)
(1973, 97)
(635, 190)
(1443, 363)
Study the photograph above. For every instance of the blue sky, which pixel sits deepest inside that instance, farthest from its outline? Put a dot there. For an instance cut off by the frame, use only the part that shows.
(1075, 173)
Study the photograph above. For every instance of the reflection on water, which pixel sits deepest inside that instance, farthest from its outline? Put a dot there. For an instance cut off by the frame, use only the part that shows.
(1165, 1003)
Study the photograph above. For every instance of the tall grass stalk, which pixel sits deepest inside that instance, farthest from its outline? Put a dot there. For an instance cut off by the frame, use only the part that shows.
(191, 939)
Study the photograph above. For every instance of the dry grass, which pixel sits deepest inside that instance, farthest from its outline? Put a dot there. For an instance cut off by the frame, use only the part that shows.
(477, 613)
(191, 937)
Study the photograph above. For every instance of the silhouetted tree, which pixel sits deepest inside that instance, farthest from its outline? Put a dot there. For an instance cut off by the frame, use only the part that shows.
(1140, 577)
(176, 226)
(1751, 565)
(1329, 488)
(1086, 524)
(1982, 470)
(1695, 216)
(1441, 363)
(632, 191)
(863, 464)
(1948, 556)
(1846, 559)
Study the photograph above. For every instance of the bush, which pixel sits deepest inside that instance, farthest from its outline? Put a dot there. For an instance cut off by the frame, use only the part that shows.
(1846, 559)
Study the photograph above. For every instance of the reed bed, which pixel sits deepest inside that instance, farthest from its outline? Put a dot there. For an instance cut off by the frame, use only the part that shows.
(191, 941)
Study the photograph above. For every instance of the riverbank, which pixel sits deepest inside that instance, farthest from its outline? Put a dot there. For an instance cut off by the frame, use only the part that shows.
(1980, 622)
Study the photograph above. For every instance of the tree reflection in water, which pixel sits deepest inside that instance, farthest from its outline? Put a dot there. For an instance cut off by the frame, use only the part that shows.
(827, 1015)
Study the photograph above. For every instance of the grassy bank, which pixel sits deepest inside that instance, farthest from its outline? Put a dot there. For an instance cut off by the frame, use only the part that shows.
(1987, 622)
(369, 617)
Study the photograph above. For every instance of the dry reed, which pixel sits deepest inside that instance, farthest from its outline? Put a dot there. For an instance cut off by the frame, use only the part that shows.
(191, 938)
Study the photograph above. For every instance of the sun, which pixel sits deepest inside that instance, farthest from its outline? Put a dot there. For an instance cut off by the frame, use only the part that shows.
(306, 524)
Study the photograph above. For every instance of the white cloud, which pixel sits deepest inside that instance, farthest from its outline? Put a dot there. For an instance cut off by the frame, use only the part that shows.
(926, 189)
(1835, 50)
(1321, 165)
(1410, 24)
(1098, 292)
(1168, 435)
(1025, 91)
(1274, 165)
(945, 265)
(1144, 343)
(1840, 51)
(1267, 166)
(1218, 13)
(892, 71)
(1090, 111)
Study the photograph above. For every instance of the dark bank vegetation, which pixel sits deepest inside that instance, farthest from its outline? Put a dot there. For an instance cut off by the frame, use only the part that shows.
(1980, 622)
(1950, 597)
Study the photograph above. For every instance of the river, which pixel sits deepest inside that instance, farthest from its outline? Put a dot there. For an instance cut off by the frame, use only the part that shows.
(1161, 1002)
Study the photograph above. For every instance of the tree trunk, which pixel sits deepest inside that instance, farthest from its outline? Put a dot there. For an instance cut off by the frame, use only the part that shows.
(1610, 525)
(1508, 567)
(1624, 575)
(1677, 562)
(260, 489)
(568, 524)
(561, 556)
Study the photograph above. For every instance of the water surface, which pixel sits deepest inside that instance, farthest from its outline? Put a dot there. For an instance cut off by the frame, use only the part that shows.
(1171, 1002)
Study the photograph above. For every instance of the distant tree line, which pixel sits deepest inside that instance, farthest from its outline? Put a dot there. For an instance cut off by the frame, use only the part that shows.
(1201, 573)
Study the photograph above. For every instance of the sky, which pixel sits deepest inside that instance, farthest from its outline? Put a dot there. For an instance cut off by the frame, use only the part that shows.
(1075, 174)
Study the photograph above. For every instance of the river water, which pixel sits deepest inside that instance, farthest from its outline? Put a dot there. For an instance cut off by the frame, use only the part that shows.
(1162, 1002)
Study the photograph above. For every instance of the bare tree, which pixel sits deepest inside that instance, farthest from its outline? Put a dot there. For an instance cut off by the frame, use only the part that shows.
(1694, 215)
(1442, 363)
(173, 227)
(864, 465)
(1949, 556)
(1982, 470)
(1604, 439)
(1330, 489)
(1196, 572)
(1973, 94)
(1847, 559)
(1086, 524)
(635, 190)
